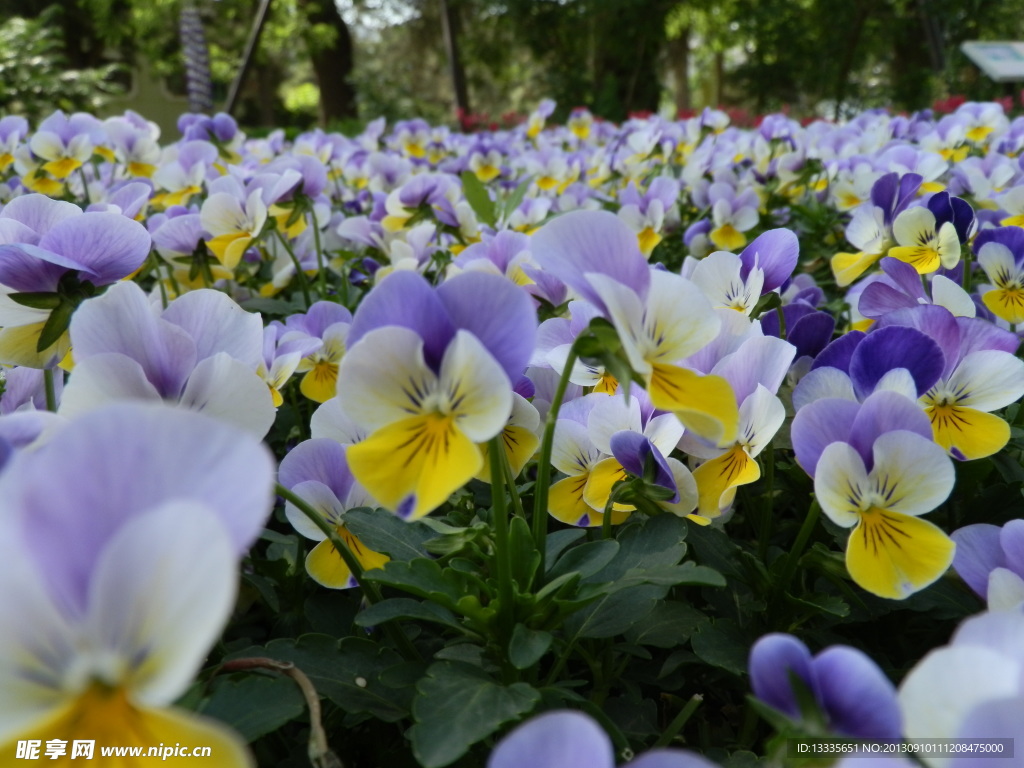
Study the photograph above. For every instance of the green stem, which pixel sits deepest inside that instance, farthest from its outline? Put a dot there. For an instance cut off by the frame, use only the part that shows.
(764, 534)
(171, 278)
(967, 269)
(606, 518)
(369, 589)
(321, 271)
(680, 720)
(540, 493)
(510, 483)
(782, 322)
(51, 392)
(300, 276)
(502, 549)
(85, 185)
(793, 558)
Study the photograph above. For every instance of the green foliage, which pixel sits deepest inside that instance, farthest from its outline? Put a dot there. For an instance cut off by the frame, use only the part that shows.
(34, 78)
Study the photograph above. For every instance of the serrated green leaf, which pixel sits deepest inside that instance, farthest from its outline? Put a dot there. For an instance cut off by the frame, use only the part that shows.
(477, 197)
(420, 577)
(406, 608)
(254, 704)
(382, 532)
(458, 705)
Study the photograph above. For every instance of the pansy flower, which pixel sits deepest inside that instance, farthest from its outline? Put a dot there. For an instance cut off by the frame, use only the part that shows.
(429, 375)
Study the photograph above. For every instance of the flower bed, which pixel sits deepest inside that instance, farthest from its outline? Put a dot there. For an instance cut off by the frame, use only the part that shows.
(547, 446)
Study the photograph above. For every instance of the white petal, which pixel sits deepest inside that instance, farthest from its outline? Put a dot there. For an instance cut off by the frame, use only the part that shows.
(996, 260)
(477, 388)
(898, 380)
(331, 421)
(160, 595)
(988, 380)
(918, 472)
(102, 379)
(218, 324)
(823, 382)
(839, 473)
(610, 415)
(573, 452)
(385, 378)
(760, 361)
(1005, 590)
(948, 294)
(626, 312)
(225, 389)
(761, 415)
(664, 432)
(914, 226)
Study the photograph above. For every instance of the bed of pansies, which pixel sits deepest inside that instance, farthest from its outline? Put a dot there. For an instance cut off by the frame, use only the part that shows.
(558, 446)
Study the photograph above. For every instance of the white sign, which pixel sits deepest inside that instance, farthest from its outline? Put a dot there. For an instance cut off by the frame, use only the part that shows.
(1001, 61)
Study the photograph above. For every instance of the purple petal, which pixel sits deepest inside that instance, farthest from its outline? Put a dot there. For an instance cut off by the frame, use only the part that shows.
(110, 245)
(909, 184)
(38, 212)
(670, 758)
(977, 334)
(320, 459)
(772, 659)
(839, 352)
(978, 553)
(819, 424)
(217, 324)
(559, 739)
(579, 242)
(934, 321)
(810, 334)
(904, 276)
(885, 412)
(878, 299)
(631, 450)
(776, 252)
(859, 700)
(1012, 540)
(30, 268)
(883, 194)
(120, 461)
(497, 312)
(406, 299)
(122, 321)
(1011, 237)
(890, 348)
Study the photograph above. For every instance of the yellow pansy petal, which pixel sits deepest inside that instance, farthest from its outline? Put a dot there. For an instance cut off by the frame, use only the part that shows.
(327, 567)
(705, 404)
(847, 267)
(320, 384)
(412, 466)
(603, 477)
(229, 248)
(276, 396)
(967, 433)
(141, 169)
(1007, 303)
(728, 238)
(108, 718)
(716, 476)
(648, 239)
(487, 173)
(520, 444)
(922, 258)
(566, 504)
(893, 555)
(18, 346)
(62, 168)
(1013, 221)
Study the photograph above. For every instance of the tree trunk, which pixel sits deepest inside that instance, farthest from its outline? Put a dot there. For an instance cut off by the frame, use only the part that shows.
(451, 27)
(332, 64)
(679, 49)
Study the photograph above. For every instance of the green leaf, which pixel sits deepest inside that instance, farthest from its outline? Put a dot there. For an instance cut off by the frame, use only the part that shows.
(458, 705)
(254, 704)
(347, 672)
(36, 299)
(56, 324)
(654, 541)
(821, 603)
(721, 644)
(524, 554)
(477, 197)
(268, 306)
(559, 540)
(420, 577)
(382, 532)
(518, 194)
(613, 614)
(586, 559)
(527, 646)
(668, 625)
(406, 608)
